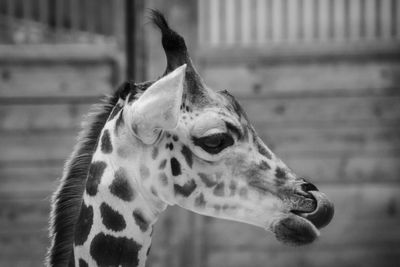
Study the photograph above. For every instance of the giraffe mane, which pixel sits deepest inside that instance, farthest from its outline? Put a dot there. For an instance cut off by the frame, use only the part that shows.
(66, 201)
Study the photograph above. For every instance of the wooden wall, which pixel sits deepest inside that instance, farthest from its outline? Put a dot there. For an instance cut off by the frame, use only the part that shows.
(336, 122)
(43, 96)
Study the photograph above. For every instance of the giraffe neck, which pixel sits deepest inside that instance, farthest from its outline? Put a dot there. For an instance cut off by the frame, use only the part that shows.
(118, 210)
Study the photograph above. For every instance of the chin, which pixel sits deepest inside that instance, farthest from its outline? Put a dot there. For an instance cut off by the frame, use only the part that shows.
(295, 230)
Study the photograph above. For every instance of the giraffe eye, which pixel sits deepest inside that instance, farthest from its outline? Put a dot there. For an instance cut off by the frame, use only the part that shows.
(214, 143)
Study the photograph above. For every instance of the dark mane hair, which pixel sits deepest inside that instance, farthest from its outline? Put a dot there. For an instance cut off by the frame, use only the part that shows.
(67, 200)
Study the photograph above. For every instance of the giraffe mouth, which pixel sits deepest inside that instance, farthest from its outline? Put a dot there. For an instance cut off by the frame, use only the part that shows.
(319, 213)
(300, 226)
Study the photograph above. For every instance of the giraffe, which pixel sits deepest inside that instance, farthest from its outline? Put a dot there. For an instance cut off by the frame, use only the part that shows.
(172, 141)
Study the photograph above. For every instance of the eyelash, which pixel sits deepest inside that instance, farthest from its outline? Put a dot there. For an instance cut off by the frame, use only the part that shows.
(223, 140)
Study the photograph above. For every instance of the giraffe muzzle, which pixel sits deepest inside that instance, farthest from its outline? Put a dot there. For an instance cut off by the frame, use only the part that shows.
(311, 210)
(320, 212)
(323, 212)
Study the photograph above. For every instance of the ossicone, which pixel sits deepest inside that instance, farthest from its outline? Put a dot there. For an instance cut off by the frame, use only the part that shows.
(173, 44)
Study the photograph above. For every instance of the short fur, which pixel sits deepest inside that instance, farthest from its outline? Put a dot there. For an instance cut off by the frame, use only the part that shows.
(67, 200)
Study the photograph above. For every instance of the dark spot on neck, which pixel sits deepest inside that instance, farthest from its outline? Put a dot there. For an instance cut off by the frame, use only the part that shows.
(187, 153)
(199, 201)
(162, 165)
(106, 146)
(96, 171)
(84, 224)
(140, 220)
(120, 187)
(175, 167)
(186, 189)
(83, 263)
(154, 153)
(108, 250)
(175, 138)
(112, 219)
(207, 180)
(219, 189)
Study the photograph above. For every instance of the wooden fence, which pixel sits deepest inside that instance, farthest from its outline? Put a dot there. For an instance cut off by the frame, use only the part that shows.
(61, 21)
(43, 96)
(258, 22)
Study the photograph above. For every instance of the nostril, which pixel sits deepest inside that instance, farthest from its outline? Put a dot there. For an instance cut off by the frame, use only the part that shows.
(308, 187)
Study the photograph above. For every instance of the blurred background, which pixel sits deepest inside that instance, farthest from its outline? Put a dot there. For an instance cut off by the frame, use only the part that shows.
(319, 79)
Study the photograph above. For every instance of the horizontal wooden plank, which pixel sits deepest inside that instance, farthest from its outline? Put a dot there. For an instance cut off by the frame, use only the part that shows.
(364, 215)
(329, 109)
(36, 80)
(38, 117)
(278, 53)
(29, 179)
(330, 139)
(257, 79)
(385, 256)
(37, 146)
(67, 53)
(22, 213)
(49, 100)
(345, 168)
(30, 245)
(17, 261)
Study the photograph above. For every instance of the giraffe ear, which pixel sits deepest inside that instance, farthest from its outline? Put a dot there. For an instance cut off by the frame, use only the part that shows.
(158, 107)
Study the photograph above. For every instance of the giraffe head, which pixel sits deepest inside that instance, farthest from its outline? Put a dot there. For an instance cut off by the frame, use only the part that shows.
(200, 151)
